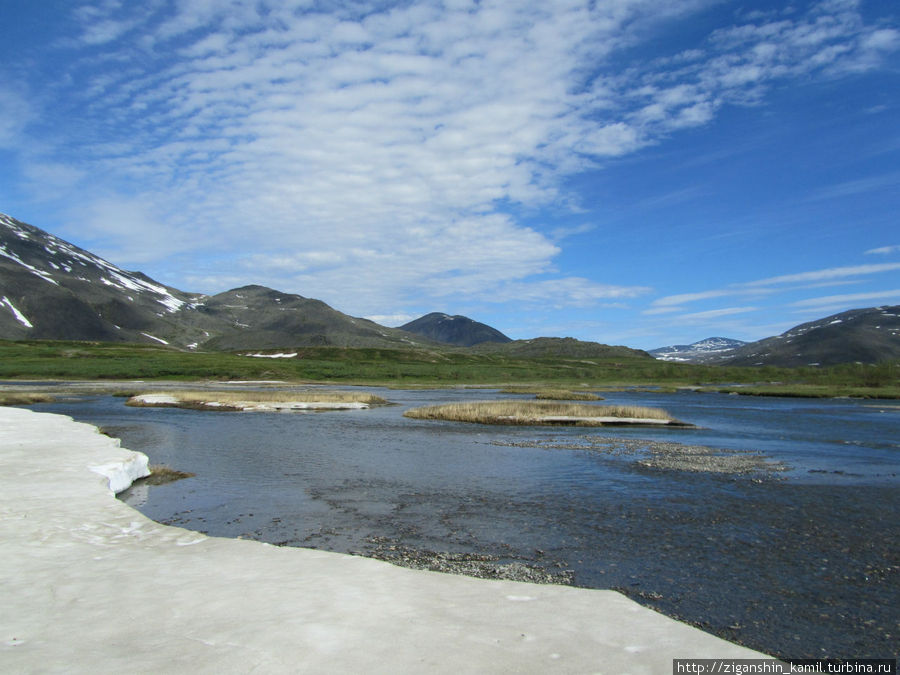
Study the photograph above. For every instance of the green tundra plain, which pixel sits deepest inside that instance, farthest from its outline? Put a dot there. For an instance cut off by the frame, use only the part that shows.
(406, 368)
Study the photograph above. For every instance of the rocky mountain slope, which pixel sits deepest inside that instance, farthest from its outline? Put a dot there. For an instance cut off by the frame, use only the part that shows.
(709, 350)
(865, 335)
(51, 289)
(454, 330)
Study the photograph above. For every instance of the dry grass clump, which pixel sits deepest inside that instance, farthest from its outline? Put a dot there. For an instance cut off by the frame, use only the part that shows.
(240, 398)
(539, 412)
(24, 398)
(566, 395)
(554, 394)
(160, 474)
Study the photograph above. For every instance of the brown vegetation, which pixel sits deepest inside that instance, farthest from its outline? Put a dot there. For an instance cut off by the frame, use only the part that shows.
(539, 412)
(24, 398)
(554, 394)
(161, 474)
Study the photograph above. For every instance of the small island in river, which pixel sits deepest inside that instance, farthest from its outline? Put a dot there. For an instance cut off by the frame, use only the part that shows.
(537, 413)
(257, 401)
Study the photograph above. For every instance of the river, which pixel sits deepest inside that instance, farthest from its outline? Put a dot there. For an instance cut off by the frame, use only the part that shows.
(799, 562)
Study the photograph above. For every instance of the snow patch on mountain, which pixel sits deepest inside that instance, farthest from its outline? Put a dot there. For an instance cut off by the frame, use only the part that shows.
(697, 352)
(21, 318)
(34, 270)
(65, 257)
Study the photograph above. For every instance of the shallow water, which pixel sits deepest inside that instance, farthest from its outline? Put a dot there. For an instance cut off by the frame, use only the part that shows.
(802, 563)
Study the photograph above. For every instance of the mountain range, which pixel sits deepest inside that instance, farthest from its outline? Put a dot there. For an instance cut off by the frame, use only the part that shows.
(858, 335)
(52, 289)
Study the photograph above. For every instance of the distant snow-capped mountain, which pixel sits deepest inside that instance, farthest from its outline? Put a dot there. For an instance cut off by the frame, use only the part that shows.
(704, 351)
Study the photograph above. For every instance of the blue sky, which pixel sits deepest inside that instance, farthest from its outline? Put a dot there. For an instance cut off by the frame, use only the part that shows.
(639, 172)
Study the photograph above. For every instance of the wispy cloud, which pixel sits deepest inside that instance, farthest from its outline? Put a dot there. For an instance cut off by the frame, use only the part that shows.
(369, 150)
(684, 298)
(832, 276)
(856, 187)
(836, 300)
(832, 273)
(773, 286)
(884, 250)
(716, 313)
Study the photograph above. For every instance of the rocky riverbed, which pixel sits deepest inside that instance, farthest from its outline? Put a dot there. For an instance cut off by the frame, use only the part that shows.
(667, 455)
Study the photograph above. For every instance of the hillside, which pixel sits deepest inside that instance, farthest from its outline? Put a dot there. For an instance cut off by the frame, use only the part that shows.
(256, 317)
(51, 289)
(455, 330)
(565, 347)
(866, 335)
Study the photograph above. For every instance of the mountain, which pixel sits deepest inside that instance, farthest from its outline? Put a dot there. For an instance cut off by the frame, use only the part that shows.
(860, 335)
(454, 330)
(256, 317)
(705, 351)
(51, 289)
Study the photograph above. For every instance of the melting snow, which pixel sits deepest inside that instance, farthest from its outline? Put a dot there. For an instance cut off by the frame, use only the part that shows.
(34, 270)
(154, 338)
(119, 280)
(281, 355)
(6, 220)
(19, 316)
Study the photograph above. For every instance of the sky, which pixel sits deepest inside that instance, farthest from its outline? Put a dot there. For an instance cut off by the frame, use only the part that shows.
(636, 172)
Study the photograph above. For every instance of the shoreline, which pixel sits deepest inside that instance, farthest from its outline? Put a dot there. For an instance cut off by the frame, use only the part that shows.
(144, 593)
(38, 384)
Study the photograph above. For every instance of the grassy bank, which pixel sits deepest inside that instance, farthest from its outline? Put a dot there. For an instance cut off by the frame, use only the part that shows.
(59, 360)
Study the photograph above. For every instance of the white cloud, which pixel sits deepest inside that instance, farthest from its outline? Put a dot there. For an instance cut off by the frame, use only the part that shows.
(884, 250)
(393, 320)
(15, 113)
(856, 187)
(366, 148)
(683, 298)
(841, 300)
(829, 277)
(716, 313)
(825, 274)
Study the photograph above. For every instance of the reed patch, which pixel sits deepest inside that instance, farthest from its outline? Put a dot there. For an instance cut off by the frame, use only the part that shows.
(543, 413)
(24, 398)
(554, 394)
